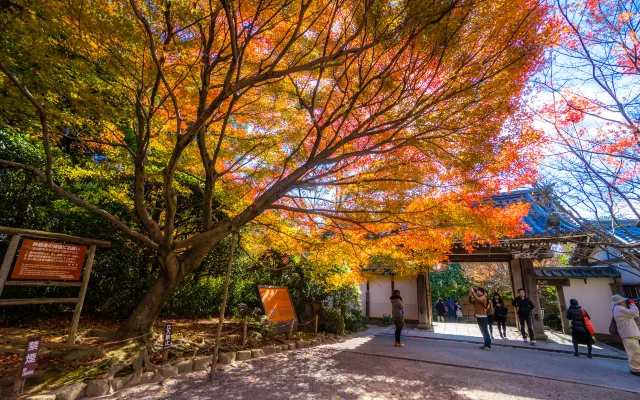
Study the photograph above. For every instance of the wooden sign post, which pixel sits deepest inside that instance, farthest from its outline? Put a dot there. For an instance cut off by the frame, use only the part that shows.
(45, 263)
(245, 324)
(28, 364)
(315, 330)
(166, 345)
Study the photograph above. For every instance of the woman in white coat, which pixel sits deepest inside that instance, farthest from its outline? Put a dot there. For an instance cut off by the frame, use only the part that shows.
(625, 312)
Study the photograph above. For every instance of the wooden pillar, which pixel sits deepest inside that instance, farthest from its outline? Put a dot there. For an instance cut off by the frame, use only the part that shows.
(424, 304)
(367, 301)
(562, 305)
(516, 276)
(531, 288)
(427, 280)
(8, 260)
(516, 282)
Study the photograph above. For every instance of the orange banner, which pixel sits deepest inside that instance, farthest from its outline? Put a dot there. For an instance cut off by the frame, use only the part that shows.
(49, 261)
(277, 304)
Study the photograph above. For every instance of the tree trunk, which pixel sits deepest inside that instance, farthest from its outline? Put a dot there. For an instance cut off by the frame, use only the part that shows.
(142, 318)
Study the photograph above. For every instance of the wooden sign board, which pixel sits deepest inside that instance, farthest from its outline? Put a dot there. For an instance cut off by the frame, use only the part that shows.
(29, 357)
(277, 306)
(49, 261)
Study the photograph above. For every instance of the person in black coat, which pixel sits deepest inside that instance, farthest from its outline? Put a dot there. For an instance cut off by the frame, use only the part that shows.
(500, 314)
(579, 332)
(441, 309)
(524, 306)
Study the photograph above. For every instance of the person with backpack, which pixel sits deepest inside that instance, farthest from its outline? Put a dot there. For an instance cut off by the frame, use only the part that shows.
(579, 327)
(451, 310)
(459, 313)
(625, 312)
(524, 306)
(479, 300)
(500, 313)
(397, 312)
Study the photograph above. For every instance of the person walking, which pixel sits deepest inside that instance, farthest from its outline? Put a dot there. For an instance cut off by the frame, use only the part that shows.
(458, 311)
(397, 312)
(451, 310)
(624, 312)
(490, 316)
(500, 313)
(524, 306)
(479, 300)
(441, 310)
(579, 332)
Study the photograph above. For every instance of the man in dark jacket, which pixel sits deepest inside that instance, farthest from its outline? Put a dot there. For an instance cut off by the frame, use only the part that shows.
(524, 306)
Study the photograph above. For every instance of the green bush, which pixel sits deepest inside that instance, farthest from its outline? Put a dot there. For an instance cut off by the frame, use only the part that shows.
(197, 298)
(331, 320)
(354, 321)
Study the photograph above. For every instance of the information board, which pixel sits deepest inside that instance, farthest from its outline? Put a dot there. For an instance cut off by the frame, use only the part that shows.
(49, 261)
(277, 305)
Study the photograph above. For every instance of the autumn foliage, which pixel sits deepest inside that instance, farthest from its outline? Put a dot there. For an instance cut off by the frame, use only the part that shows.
(338, 129)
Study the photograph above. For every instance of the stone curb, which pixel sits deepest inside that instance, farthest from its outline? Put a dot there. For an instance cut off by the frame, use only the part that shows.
(101, 387)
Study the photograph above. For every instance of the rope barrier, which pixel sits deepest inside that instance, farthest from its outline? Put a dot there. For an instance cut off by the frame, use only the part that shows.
(126, 340)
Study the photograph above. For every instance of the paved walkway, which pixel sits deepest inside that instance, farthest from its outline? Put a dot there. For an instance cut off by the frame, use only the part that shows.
(601, 372)
(369, 367)
(466, 332)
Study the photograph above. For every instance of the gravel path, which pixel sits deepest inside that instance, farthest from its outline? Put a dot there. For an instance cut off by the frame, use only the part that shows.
(326, 372)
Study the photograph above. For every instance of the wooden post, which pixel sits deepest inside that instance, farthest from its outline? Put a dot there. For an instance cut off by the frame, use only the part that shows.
(367, 301)
(8, 260)
(223, 306)
(531, 288)
(316, 327)
(165, 356)
(291, 328)
(18, 385)
(562, 305)
(83, 291)
(245, 323)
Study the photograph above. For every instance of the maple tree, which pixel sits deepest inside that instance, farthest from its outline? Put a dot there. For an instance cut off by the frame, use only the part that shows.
(594, 114)
(338, 129)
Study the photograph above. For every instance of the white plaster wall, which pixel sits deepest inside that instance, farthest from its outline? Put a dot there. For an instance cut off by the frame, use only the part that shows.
(626, 278)
(379, 293)
(595, 298)
(409, 292)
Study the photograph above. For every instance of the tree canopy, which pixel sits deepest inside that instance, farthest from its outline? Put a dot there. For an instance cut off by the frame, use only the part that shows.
(334, 128)
(593, 115)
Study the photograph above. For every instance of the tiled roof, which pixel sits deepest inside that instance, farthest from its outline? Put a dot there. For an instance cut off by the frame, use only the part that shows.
(628, 234)
(543, 218)
(576, 272)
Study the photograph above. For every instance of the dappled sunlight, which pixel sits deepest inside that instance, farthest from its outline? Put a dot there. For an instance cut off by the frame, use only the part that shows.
(483, 394)
(352, 344)
(370, 367)
(469, 332)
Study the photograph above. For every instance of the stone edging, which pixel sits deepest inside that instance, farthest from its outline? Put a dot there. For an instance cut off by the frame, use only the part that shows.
(102, 387)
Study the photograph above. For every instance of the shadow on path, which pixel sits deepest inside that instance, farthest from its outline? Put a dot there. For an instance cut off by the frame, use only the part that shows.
(369, 367)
